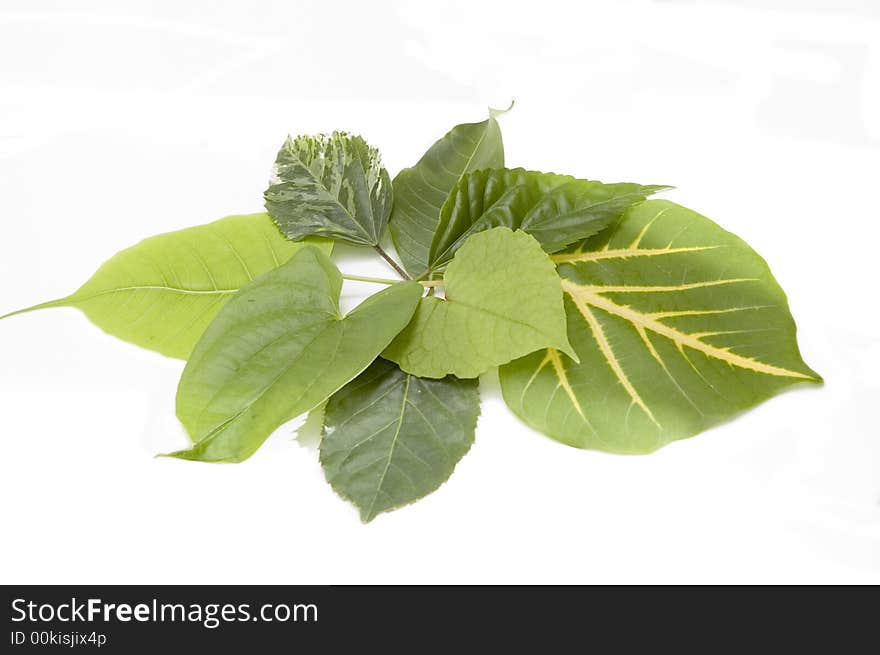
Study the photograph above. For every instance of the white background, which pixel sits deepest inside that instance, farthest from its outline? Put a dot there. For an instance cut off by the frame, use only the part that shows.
(119, 120)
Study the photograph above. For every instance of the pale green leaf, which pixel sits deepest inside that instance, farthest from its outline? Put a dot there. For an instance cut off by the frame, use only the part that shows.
(391, 438)
(678, 325)
(331, 186)
(308, 434)
(278, 349)
(420, 191)
(503, 301)
(163, 292)
(557, 210)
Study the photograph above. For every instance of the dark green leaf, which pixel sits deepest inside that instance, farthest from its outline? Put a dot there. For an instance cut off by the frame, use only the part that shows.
(420, 191)
(557, 210)
(391, 438)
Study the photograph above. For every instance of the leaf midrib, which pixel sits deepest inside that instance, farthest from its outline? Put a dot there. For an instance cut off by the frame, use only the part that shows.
(152, 287)
(526, 225)
(476, 147)
(320, 332)
(394, 439)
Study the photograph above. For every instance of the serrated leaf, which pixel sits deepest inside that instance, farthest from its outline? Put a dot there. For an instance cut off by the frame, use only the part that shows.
(277, 350)
(163, 292)
(420, 191)
(557, 210)
(503, 301)
(331, 186)
(391, 438)
(678, 324)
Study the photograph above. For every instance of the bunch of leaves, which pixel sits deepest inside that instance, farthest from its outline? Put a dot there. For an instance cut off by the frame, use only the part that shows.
(617, 323)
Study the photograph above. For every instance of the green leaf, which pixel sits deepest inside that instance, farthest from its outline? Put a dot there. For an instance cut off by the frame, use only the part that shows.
(420, 191)
(503, 301)
(163, 292)
(331, 186)
(391, 438)
(678, 325)
(308, 435)
(277, 350)
(557, 210)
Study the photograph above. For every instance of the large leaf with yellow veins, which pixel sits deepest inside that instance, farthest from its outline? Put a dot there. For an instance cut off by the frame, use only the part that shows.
(678, 325)
(503, 301)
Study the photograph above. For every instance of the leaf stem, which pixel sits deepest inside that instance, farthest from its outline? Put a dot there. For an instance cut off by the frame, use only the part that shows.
(402, 273)
(428, 284)
(364, 278)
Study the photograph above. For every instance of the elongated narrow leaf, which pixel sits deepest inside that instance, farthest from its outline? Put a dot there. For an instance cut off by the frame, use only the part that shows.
(391, 438)
(678, 325)
(557, 210)
(330, 186)
(420, 191)
(162, 293)
(502, 301)
(278, 349)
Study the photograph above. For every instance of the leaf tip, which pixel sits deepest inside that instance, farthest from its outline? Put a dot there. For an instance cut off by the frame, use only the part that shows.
(61, 302)
(177, 454)
(570, 351)
(193, 455)
(564, 346)
(495, 113)
(658, 188)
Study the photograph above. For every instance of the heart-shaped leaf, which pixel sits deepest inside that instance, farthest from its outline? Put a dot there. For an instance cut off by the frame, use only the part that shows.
(162, 293)
(391, 438)
(420, 191)
(678, 324)
(502, 301)
(331, 186)
(278, 349)
(557, 210)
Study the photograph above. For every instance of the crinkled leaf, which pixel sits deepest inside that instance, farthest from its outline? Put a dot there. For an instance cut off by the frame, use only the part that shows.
(420, 191)
(503, 301)
(678, 324)
(163, 292)
(391, 438)
(278, 349)
(557, 210)
(331, 186)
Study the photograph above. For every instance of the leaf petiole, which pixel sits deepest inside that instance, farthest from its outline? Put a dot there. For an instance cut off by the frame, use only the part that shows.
(393, 264)
(374, 280)
(383, 280)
